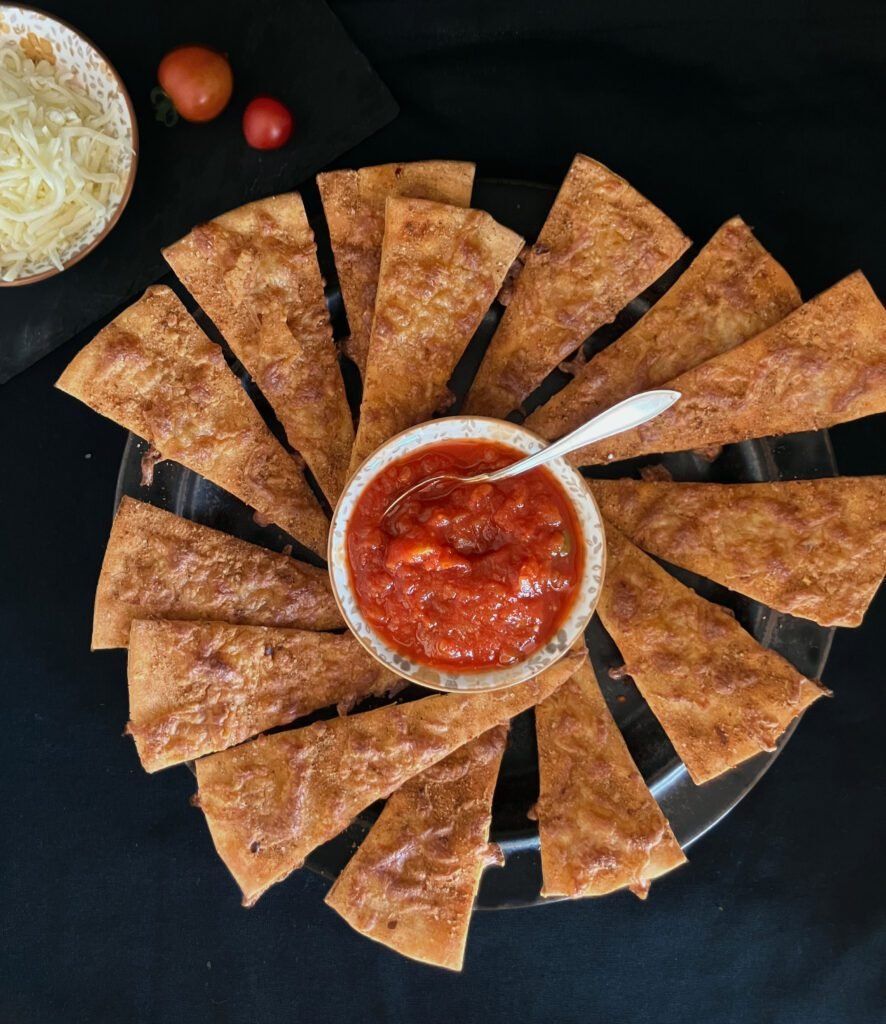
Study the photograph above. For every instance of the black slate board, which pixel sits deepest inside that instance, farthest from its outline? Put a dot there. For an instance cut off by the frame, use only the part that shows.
(297, 51)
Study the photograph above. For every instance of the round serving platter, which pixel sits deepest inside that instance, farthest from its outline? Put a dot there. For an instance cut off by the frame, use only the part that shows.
(691, 809)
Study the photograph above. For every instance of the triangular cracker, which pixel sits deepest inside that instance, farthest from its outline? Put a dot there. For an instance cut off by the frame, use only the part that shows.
(199, 687)
(412, 883)
(254, 270)
(270, 802)
(599, 827)
(732, 290)
(153, 371)
(441, 268)
(354, 205)
(601, 245)
(160, 566)
(825, 363)
(719, 695)
(812, 548)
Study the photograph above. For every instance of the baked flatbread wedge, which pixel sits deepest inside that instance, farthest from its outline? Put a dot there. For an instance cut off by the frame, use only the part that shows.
(254, 270)
(199, 687)
(160, 566)
(825, 363)
(811, 548)
(441, 268)
(602, 244)
(354, 205)
(732, 290)
(719, 695)
(599, 827)
(153, 371)
(271, 801)
(411, 885)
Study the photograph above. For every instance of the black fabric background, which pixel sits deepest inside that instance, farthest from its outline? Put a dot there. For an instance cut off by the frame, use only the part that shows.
(115, 909)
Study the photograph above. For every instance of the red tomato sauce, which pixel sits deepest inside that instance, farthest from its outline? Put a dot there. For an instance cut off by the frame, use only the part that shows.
(477, 578)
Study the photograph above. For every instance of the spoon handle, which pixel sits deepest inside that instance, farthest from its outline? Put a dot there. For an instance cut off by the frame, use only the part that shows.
(629, 413)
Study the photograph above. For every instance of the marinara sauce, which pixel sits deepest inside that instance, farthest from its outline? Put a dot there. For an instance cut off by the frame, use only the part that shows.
(476, 578)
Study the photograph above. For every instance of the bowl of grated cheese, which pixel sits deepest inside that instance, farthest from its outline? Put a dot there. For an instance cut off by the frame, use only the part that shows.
(68, 146)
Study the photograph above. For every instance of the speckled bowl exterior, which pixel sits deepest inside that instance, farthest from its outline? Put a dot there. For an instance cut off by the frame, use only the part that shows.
(460, 428)
(41, 36)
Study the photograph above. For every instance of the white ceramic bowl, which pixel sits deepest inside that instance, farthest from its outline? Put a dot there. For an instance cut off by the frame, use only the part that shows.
(459, 428)
(42, 36)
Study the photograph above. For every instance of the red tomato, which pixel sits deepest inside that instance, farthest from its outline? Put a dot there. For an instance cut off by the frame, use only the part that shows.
(197, 80)
(267, 124)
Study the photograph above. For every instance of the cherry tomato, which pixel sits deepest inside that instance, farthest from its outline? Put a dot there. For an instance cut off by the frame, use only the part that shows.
(197, 80)
(267, 124)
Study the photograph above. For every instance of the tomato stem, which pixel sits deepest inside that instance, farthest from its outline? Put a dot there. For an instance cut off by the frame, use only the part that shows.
(164, 109)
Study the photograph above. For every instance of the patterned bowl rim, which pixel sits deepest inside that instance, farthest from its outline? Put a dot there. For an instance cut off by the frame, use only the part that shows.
(133, 166)
(449, 428)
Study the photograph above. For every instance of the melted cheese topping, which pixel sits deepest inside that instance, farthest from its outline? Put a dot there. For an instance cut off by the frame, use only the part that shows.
(61, 171)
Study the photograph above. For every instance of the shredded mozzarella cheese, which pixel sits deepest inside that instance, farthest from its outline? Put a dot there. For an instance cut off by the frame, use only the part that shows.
(61, 173)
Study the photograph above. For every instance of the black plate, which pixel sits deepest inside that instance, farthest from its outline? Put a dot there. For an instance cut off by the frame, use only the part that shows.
(691, 809)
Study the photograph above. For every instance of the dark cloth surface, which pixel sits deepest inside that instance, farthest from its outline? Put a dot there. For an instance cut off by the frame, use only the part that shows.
(116, 909)
(296, 50)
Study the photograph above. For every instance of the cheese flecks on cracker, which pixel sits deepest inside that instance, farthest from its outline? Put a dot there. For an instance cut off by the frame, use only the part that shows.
(601, 246)
(732, 290)
(160, 566)
(254, 270)
(354, 205)
(441, 268)
(825, 363)
(153, 371)
(599, 827)
(200, 687)
(812, 548)
(719, 695)
(412, 883)
(273, 800)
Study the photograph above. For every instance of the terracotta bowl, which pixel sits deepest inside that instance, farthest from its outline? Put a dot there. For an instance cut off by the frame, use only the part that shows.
(42, 36)
(458, 428)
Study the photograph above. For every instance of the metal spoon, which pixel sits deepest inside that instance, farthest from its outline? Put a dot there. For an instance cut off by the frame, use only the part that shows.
(627, 414)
